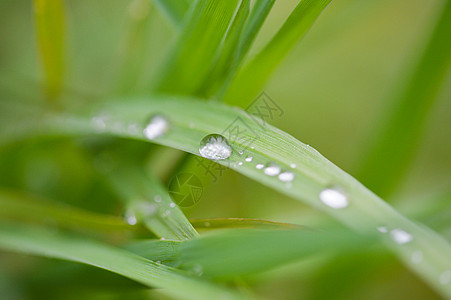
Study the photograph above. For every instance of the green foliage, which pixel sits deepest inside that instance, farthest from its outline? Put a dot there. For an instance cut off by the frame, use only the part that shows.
(81, 179)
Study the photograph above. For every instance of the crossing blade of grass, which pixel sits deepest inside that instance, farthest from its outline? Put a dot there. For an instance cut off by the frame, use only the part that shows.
(223, 223)
(195, 50)
(251, 78)
(250, 251)
(226, 56)
(49, 18)
(148, 202)
(394, 147)
(174, 283)
(16, 206)
(192, 120)
(174, 10)
(254, 22)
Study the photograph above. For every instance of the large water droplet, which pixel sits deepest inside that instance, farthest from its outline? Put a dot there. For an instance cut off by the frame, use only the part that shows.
(215, 146)
(156, 127)
(445, 277)
(272, 170)
(260, 166)
(400, 236)
(286, 176)
(333, 198)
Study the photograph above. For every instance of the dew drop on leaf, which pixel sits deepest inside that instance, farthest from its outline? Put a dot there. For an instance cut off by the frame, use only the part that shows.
(156, 127)
(400, 236)
(215, 147)
(286, 176)
(333, 198)
(272, 169)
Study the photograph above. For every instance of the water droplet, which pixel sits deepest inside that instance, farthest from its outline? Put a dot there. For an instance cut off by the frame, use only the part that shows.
(215, 146)
(445, 277)
(99, 123)
(240, 163)
(172, 204)
(248, 159)
(166, 213)
(400, 236)
(146, 209)
(162, 239)
(157, 126)
(241, 152)
(207, 224)
(157, 198)
(131, 218)
(286, 176)
(260, 166)
(292, 166)
(417, 257)
(333, 198)
(158, 261)
(198, 270)
(272, 170)
(382, 229)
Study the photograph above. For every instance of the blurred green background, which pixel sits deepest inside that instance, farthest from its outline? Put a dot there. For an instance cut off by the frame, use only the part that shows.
(334, 88)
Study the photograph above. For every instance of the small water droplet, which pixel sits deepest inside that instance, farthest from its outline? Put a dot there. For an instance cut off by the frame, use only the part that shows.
(286, 176)
(292, 166)
(162, 239)
(215, 146)
(172, 204)
(198, 270)
(99, 123)
(400, 236)
(382, 229)
(445, 277)
(156, 127)
(252, 147)
(191, 125)
(207, 224)
(260, 166)
(417, 257)
(272, 170)
(157, 198)
(131, 218)
(240, 163)
(146, 209)
(158, 261)
(333, 198)
(248, 159)
(241, 152)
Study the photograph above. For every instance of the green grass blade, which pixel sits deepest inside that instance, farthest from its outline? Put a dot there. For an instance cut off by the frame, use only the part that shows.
(221, 223)
(16, 206)
(194, 53)
(251, 78)
(192, 120)
(148, 202)
(49, 18)
(227, 54)
(31, 240)
(174, 10)
(394, 147)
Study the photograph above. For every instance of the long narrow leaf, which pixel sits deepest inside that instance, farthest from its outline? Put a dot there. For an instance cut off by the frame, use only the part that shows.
(394, 147)
(249, 81)
(23, 239)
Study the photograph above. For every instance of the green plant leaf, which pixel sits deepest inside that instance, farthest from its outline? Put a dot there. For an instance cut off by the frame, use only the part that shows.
(174, 10)
(251, 78)
(395, 145)
(20, 206)
(149, 202)
(174, 283)
(49, 16)
(195, 50)
(220, 223)
(192, 120)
